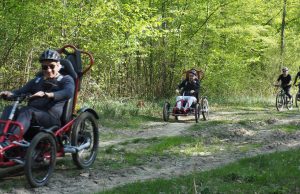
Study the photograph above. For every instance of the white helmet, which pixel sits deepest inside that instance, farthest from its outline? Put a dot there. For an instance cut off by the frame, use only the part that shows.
(285, 69)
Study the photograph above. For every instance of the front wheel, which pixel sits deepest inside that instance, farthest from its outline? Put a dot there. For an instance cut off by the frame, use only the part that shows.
(85, 132)
(40, 159)
(279, 102)
(166, 111)
(205, 109)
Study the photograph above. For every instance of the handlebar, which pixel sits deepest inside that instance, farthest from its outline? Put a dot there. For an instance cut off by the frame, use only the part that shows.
(184, 92)
(278, 85)
(19, 98)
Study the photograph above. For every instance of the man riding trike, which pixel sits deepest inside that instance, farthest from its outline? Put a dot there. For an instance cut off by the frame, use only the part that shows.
(188, 102)
(33, 136)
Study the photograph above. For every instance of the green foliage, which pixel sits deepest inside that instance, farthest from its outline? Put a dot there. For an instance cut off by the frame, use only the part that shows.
(142, 47)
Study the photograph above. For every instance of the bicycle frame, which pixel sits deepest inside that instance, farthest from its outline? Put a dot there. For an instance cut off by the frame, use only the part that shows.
(283, 95)
(182, 104)
(282, 100)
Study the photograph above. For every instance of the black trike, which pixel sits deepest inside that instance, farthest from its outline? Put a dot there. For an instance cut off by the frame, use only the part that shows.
(196, 109)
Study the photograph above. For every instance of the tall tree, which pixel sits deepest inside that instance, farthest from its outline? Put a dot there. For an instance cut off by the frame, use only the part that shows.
(282, 34)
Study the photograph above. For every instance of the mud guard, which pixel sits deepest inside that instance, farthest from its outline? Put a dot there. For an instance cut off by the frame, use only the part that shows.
(50, 131)
(88, 110)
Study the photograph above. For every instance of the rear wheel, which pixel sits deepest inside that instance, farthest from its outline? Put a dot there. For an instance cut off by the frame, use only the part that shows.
(166, 111)
(297, 98)
(85, 132)
(40, 159)
(205, 109)
(289, 104)
(279, 102)
(197, 112)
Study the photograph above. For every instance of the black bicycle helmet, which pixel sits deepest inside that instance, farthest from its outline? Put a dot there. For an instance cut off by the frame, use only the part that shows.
(50, 55)
(193, 71)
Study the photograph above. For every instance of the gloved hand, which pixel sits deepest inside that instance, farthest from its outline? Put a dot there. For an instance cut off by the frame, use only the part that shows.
(6, 93)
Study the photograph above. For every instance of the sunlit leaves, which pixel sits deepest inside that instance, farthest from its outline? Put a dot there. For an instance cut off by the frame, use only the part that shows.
(141, 47)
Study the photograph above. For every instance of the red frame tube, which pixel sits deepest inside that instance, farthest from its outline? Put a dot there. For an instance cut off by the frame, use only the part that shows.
(8, 123)
(19, 137)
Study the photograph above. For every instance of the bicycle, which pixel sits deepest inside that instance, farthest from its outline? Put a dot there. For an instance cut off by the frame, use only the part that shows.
(297, 96)
(283, 100)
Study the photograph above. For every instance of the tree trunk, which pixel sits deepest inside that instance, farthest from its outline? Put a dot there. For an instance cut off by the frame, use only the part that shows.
(140, 85)
(63, 30)
(163, 54)
(282, 39)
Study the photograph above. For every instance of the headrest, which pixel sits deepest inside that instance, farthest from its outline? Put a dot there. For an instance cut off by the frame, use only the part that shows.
(67, 68)
(198, 73)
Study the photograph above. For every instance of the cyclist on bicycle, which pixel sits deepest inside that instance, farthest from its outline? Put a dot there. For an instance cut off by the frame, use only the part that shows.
(296, 78)
(286, 80)
(189, 89)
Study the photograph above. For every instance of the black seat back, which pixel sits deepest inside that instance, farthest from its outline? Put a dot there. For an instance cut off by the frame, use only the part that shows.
(67, 69)
(75, 59)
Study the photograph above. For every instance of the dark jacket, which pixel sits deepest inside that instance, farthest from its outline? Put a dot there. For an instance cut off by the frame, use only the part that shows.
(62, 87)
(298, 75)
(186, 86)
(284, 80)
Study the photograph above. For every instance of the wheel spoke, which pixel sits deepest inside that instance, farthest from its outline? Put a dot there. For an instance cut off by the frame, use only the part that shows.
(40, 159)
(85, 130)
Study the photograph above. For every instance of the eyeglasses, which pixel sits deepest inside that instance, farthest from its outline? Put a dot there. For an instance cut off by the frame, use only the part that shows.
(46, 67)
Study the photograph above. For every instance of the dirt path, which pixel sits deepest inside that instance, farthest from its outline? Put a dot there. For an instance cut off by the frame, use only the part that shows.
(262, 131)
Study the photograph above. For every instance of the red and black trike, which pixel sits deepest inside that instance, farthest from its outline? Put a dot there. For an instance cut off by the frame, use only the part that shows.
(36, 150)
(196, 109)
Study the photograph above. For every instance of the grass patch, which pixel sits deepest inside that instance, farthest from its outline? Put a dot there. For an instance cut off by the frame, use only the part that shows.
(288, 128)
(124, 122)
(168, 143)
(272, 173)
(245, 101)
(128, 154)
(8, 184)
(199, 148)
(248, 147)
(125, 114)
(138, 151)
